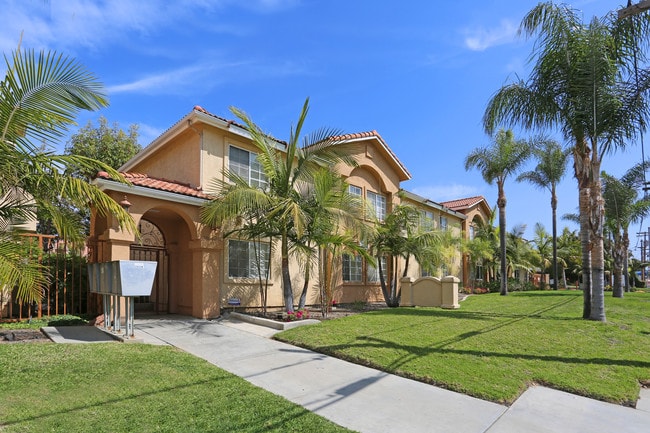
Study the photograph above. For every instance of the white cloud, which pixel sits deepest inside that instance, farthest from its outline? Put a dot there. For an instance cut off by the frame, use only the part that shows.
(148, 133)
(178, 81)
(91, 24)
(480, 39)
(439, 193)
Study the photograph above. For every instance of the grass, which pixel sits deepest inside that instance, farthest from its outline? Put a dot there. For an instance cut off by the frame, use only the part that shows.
(494, 347)
(112, 387)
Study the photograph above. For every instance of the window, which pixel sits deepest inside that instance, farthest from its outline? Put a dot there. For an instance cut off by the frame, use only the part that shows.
(244, 164)
(443, 223)
(372, 273)
(355, 190)
(351, 268)
(242, 258)
(377, 202)
(426, 220)
(472, 231)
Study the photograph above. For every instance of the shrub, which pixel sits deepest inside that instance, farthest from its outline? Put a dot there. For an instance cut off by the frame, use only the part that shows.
(296, 315)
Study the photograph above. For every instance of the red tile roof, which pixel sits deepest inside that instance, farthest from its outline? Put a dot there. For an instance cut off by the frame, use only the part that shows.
(463, 203)
(146, 181)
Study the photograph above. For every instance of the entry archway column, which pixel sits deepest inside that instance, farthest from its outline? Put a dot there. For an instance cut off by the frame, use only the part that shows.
(206, 273)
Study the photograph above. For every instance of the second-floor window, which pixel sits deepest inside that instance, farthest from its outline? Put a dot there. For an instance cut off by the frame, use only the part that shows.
(244, 164)
(426, 220)
(443, 223)
(377, 202)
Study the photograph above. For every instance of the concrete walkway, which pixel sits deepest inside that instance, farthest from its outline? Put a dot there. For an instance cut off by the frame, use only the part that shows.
(368, 400)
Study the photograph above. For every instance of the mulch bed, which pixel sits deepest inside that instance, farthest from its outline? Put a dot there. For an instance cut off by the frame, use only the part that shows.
(315, 312)
(22, 336)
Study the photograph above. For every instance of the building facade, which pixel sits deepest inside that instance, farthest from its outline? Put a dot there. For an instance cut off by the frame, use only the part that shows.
(200, 272)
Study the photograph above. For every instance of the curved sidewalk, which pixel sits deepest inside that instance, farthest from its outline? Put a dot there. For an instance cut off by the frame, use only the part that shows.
(367, 400)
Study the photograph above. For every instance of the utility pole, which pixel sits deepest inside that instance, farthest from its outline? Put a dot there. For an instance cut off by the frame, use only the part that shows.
(631, 9)
(644, 245)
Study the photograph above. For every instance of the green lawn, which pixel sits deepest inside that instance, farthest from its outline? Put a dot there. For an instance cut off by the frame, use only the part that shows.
(494, 347)
(113, 387)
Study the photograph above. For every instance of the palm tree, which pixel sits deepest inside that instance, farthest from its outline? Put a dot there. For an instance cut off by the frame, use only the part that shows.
(621, 209)
(39, 98)
(544, 250)
(479, 251)
(550, 169)
(398, 236)
(333, 227)
(576, 87)
(503, 158)
(285, 172)
(486, 230)
(569, 255)
(519, 254)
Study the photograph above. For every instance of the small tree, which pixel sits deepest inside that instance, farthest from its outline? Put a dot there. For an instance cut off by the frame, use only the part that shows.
(111, 145)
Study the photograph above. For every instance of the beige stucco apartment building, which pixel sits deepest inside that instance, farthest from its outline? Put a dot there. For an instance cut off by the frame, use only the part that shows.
(199, 271)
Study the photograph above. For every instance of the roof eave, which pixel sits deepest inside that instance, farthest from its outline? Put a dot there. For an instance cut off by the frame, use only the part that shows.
(403, 173)
(433, 204)
(106, 184)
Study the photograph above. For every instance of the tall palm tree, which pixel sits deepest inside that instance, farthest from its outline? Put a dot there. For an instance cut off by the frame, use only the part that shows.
(621, 209)
(580, 86)
(550, 169)
(285, 172)
(40, 96)
(503, 158)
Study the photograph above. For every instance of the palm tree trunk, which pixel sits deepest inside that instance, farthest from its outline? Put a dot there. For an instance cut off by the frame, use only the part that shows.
(554, 212)
(626, 265)
(305, 286)
(598, 256)
(581, 164)
(618, 254)
(501, 203)
(286, 276)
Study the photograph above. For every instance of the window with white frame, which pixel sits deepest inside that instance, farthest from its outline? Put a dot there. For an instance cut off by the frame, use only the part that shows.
(245, 164)
(426, 220)
(377, 203)
(352, 268)
(372, 272)
(247, 259)
(443, 223)
(355, 190)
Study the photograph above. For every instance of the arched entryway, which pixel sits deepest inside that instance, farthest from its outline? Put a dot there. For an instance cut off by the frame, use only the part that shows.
(152, 248)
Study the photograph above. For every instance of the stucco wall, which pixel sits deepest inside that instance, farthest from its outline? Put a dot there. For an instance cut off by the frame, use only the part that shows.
(178, 160)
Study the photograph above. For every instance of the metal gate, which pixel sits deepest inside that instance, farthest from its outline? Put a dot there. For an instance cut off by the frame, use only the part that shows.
(158, 302)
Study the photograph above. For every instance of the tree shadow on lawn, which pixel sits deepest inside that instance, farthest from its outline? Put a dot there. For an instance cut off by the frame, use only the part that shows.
(481, 315)
(108, 401)
(443, 347)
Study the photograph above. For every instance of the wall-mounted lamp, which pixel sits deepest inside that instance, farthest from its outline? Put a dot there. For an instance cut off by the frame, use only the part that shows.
(126, 205)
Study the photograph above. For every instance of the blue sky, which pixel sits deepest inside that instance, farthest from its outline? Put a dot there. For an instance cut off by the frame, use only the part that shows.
(418, 72)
